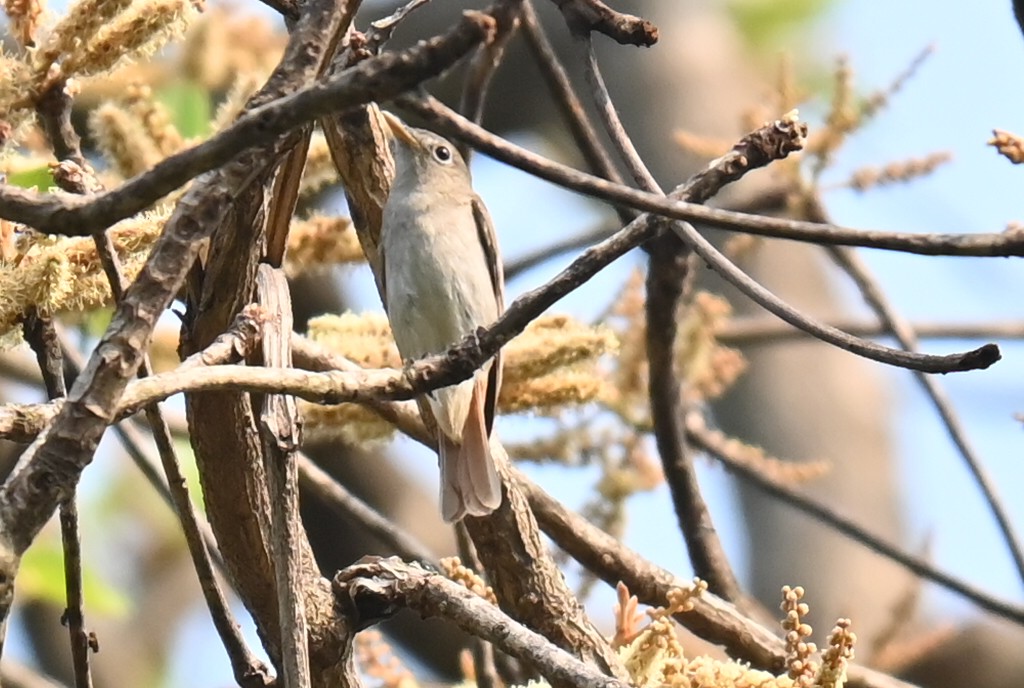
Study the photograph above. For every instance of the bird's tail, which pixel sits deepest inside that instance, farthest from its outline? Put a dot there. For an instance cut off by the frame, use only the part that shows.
(470, 485)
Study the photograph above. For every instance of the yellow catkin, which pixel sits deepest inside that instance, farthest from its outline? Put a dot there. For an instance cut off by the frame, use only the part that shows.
(1010, 146)
(75, 29)
(551, 365)
(321, 241)
(224, 47)
(234, 102)
(15, 108)
(467, 578)
(64, 274)
(319, 171)
(155, 119)
(837, 656)
(24, 17)
(139, 31)
(896, 172)
(349, 423)
(123, 139)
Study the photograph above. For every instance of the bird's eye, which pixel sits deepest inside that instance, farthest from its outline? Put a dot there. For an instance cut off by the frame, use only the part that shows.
(442, 154)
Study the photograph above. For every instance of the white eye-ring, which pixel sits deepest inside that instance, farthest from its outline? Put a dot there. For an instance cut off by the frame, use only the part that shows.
(443, 154)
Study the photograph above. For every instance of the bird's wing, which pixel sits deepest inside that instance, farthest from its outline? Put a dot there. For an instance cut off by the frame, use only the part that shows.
(489, 242)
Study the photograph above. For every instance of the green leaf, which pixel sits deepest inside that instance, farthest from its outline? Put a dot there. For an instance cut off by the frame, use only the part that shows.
(38, 177)
(41, 577)
(189, 106)
(765, 22)
(95, 323)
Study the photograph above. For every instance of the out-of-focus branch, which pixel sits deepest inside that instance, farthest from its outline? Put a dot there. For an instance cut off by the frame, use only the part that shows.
(42, 337)
(584, 16)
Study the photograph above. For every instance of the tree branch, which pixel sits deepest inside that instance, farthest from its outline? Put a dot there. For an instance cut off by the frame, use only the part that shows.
(377, 588)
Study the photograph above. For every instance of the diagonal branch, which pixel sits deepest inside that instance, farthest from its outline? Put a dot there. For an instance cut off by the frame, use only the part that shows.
(459, 127)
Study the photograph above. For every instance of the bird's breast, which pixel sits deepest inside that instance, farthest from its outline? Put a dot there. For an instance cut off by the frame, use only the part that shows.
(436, 276)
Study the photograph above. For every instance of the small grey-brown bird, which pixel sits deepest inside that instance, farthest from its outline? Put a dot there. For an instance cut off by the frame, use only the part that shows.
(442, 280)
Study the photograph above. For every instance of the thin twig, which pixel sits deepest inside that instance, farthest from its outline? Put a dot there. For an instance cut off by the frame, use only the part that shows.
(851, 263)
(760, 330)
(583, 132)
(717, 445)
(42, 337)
(483, 65)
(611, 121)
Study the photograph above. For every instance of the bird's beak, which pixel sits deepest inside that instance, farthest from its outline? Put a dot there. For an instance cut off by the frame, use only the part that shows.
(398, 129)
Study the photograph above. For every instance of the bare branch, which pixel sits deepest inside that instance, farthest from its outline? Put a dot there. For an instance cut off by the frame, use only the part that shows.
(716, 174)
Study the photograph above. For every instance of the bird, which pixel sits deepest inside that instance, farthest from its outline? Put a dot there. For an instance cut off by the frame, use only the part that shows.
(443, 280)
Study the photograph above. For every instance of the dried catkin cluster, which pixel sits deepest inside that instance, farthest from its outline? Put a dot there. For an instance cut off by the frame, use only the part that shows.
(56, 275)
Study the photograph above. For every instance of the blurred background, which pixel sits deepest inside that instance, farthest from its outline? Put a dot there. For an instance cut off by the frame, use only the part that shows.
(894, 470)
